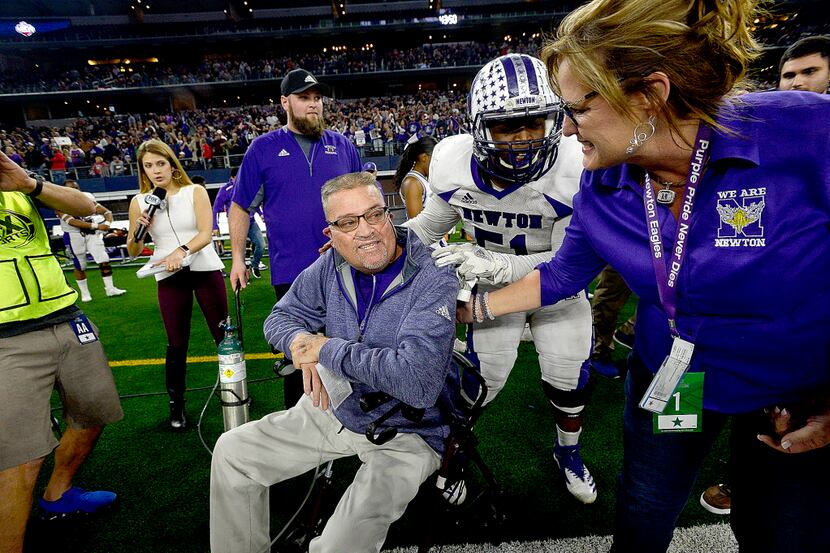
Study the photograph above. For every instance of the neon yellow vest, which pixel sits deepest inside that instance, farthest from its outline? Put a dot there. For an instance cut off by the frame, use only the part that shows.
(32, 283)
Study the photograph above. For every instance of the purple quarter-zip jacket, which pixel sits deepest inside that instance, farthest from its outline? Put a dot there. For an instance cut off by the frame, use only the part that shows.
(401, 345)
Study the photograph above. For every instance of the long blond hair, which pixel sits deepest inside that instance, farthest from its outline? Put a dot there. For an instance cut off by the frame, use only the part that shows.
(154, 146)
(703, 46)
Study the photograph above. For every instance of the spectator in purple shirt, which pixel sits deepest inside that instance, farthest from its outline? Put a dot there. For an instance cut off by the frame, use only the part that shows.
(735, 192)
(284, 171)
(222, 204)
(14, 156)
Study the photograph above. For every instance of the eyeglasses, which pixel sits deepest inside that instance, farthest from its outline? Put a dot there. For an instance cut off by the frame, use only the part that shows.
(374, 216)
(572, 111)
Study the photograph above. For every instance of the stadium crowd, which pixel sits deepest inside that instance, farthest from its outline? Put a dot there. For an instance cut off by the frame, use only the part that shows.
(212, 68)
(105, 146)
(226, 67)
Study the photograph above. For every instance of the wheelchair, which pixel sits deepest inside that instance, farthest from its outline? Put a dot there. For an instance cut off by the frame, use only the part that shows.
(448, 500)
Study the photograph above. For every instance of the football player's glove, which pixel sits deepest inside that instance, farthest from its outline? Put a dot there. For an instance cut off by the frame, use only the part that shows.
(475, 262)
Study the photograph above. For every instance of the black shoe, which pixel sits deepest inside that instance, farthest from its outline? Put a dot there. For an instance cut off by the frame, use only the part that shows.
(178, 420)
(624, 338)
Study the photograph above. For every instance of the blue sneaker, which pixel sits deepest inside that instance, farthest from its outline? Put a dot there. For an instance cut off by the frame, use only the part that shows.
(578, 480)
(76, 501)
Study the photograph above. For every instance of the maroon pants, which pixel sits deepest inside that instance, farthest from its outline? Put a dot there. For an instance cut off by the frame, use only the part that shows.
(176, 302)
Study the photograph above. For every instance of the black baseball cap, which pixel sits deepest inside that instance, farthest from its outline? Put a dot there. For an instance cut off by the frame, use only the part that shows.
(300, 80)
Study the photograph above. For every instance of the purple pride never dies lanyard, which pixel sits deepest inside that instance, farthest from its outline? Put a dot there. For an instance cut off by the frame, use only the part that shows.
(675, 365)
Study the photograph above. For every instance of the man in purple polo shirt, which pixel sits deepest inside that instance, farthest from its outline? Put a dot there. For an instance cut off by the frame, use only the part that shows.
(284, 171)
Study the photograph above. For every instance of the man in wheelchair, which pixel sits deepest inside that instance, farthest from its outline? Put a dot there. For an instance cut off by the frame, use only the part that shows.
(372, 383)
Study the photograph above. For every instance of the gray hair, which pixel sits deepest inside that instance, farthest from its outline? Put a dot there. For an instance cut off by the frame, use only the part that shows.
(349, 181)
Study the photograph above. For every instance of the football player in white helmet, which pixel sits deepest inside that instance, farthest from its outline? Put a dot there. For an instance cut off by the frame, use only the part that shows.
(512, 183)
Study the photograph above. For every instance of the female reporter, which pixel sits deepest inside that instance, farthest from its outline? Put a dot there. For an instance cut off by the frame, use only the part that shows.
(179, 230)
(715, 209)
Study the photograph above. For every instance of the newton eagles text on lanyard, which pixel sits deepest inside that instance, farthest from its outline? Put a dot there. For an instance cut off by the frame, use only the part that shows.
(675, 365)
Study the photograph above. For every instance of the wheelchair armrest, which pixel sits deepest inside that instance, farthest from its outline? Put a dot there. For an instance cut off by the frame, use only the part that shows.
(373, 400)
(413, 414)
(470, 377)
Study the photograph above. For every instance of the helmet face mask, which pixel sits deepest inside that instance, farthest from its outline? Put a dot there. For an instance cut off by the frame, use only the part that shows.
(513, 89)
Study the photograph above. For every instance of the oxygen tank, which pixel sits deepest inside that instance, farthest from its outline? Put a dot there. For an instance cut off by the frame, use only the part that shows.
(233, 386)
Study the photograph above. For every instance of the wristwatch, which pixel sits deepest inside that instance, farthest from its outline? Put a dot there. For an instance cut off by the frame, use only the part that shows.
(185, 249)
(38, 185)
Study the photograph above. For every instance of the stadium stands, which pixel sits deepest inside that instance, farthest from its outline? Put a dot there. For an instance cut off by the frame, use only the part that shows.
(217, 68)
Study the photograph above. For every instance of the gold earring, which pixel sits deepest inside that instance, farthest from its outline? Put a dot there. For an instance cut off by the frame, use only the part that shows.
(177, 175)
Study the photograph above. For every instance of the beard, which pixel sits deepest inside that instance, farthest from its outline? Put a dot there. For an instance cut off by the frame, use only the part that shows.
(306, 126)
(379, 262)
(375, 260)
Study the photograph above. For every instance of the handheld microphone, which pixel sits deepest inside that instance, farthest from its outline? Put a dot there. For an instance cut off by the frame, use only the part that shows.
(154, 200)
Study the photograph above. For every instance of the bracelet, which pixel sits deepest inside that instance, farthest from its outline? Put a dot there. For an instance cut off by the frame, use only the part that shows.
(38, 185)
(478, 311)
(486, 302)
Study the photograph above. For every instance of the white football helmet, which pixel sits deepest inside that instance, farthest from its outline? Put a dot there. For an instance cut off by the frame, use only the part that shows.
(514, 86)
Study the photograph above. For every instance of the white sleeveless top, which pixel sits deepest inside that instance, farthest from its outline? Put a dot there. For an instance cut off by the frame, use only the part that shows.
(176, 225)
(426, 193)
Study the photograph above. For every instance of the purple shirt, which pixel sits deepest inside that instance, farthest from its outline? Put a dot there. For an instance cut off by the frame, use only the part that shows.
(222, 203)
(754, 289)
(276, 167)
(379, 282)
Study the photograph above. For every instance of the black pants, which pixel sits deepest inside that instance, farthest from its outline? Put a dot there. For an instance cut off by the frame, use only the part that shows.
(780, 502)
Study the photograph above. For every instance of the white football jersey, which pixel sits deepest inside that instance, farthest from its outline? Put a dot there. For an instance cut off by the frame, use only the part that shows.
(527, 221)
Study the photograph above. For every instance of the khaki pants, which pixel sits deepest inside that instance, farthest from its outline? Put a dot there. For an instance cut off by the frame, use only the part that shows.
(252, 457)
(610, 296)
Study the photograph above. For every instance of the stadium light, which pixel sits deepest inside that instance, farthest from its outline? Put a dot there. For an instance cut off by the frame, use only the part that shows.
(338, 8)
(136, 13)
(238, 11)
(434, 5)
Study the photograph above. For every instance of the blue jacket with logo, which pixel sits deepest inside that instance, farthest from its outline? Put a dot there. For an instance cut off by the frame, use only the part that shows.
(404, 349)
(754, 289)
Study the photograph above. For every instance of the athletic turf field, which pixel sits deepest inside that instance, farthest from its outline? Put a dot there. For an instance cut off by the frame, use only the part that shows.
(162, 477)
